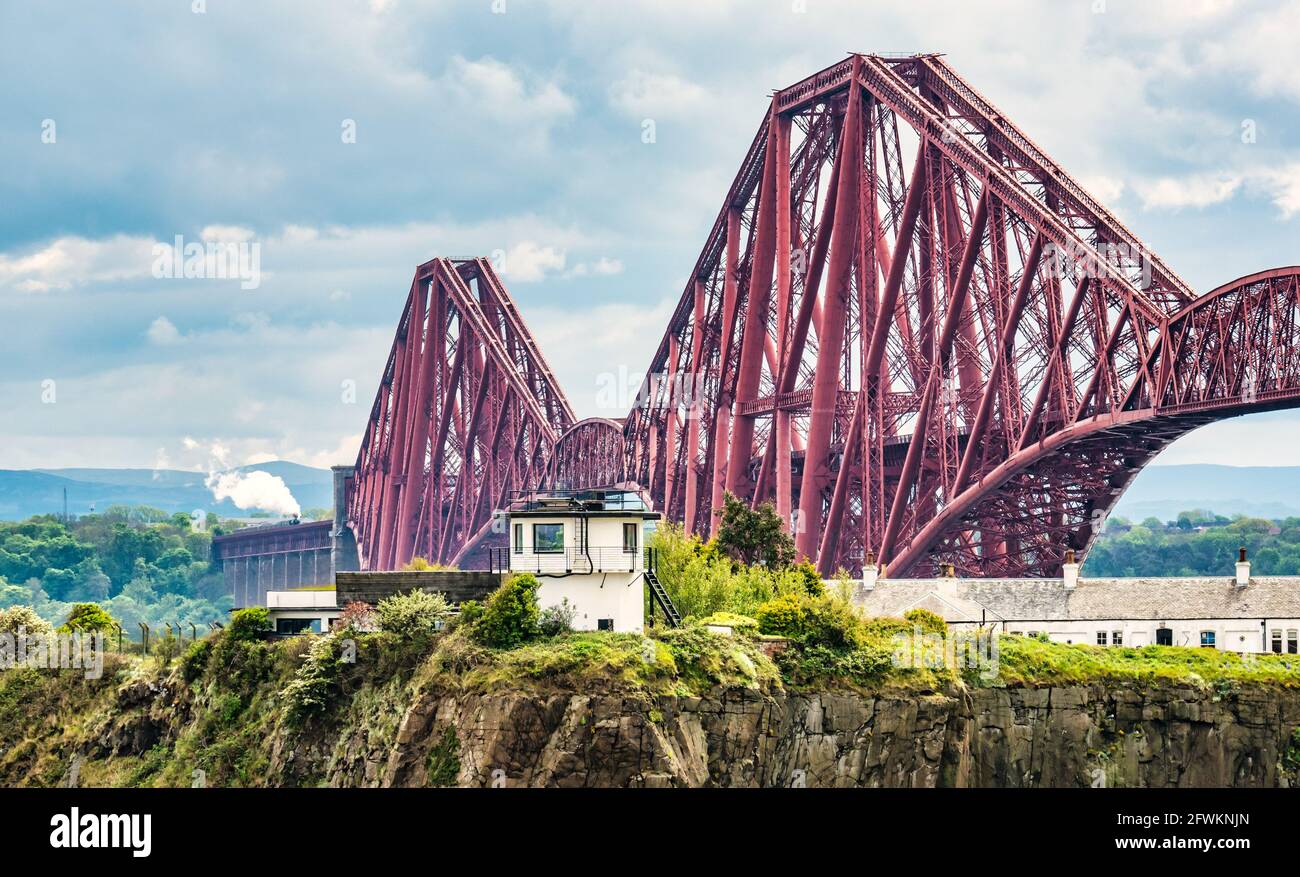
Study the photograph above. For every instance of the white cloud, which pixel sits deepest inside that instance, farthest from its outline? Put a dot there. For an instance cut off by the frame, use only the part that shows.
(1260, 43)
(656, 95)
(602, 267)
(499, 91)
(528, 262)
(163, 331)
(1283, 185)
(66, 262)
(227, 234)
(1105, 189)
(612, 342)
(1175, 193)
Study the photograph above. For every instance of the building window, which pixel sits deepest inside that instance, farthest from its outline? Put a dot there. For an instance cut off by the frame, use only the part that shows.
(1117, 637)
(1101, 637)
(1290, 642)
(1207, 639)
(1277, 642)
(519, 538)
(629, 538)
(548, 538)
(604, 624)
(291, 626)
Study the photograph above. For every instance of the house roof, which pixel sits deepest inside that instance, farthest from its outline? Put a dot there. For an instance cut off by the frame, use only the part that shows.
(1092, 599)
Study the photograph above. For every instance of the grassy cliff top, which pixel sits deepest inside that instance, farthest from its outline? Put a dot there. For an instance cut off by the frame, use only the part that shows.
(1029, 662)
(236, 709)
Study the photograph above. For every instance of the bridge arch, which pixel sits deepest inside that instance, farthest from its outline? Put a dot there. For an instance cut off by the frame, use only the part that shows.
(1233, 351)
(588, 454)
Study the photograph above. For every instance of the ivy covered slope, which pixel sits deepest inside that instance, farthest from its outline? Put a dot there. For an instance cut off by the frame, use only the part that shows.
(409, 694)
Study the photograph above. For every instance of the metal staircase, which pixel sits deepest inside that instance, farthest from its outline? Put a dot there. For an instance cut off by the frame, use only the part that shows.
(658, 593)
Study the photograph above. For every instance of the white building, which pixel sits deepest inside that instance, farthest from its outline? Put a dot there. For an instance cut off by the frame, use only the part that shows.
(587, 547)
(1236, 613)
(302, 611)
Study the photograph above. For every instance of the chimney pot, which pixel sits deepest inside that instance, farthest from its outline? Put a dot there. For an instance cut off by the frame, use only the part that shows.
(870, 572)
(1243, 568)
(1070, 570)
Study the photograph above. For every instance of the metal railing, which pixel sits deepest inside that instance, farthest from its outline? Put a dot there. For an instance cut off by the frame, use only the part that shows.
(579, 561)
(590, 499)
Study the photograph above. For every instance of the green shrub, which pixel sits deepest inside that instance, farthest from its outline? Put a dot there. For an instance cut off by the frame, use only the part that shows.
(470, 612)
(928, 621)
(868, 665)
(1291, 758)
(702, 580)
(195, 660)
(558, 619)
(166, 648)
(25, 617)
(511, 615)
(87, 618)
(413, 614)
(249, 624)
(783, 616)
(311, 690)
(822, 620)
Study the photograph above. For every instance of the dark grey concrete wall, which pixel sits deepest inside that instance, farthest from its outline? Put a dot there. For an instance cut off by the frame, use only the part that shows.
(457, 587)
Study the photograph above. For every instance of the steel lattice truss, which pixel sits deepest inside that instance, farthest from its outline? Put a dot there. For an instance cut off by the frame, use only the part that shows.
(467, 412)
(908, 329)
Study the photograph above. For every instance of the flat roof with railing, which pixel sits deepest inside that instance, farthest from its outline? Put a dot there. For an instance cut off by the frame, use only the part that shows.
(614, 502)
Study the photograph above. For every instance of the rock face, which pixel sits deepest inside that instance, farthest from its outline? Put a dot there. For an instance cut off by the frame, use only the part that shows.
(1077, 736)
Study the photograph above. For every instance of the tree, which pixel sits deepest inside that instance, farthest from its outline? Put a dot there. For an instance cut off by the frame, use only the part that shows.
(23, 617)
(87, 618)
(751, 536)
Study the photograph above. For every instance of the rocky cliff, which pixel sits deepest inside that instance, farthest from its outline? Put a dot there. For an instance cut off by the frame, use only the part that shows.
(1082, 736)
(686, 710)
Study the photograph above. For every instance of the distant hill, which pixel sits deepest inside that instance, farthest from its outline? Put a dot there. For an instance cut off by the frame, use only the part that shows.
(1159, 491)
(24, 493)
(1259, 491)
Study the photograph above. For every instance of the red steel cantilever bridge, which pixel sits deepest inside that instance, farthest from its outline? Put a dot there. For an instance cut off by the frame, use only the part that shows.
(909, 329)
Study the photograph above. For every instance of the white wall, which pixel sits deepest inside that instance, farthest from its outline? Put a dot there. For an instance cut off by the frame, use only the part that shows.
(1231, 634)
(325, 599)
(618, 596)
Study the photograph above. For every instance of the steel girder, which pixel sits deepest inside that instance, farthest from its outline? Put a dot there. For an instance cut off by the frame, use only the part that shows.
(588, 454)
(908, 328)
(920, 338)
(467, 411)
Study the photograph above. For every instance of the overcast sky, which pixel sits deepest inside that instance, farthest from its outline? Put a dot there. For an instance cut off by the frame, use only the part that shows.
(127, 123)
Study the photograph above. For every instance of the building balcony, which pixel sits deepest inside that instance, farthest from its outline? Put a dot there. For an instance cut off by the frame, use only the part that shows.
(579, 561)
